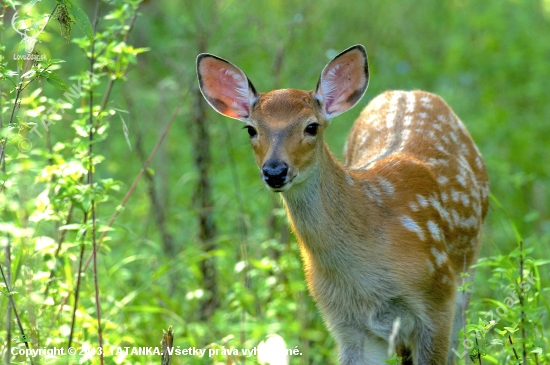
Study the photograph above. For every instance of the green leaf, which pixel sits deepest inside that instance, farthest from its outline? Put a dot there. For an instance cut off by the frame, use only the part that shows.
(55, 60)
(497, 342)
(56, 81)
(541, 262)
(82, 20)
(12, 4)
(71, 227)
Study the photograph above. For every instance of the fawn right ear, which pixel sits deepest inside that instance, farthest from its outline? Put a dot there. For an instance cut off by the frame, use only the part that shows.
(225, 87)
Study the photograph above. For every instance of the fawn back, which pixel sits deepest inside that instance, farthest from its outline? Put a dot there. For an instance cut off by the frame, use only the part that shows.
(385, 236)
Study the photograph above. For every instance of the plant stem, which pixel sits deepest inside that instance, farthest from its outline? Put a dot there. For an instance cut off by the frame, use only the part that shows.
(478, 350)
(20, 88)
(58, 249)
(12, 302)
(76, 291)
(91, 184)
(9, 327)
(134, 184)
(5, 141)
(521, 303)
(138, 177)
(513, 348)
(112, 80)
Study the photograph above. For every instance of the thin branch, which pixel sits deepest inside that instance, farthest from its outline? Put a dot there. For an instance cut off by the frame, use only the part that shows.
(8, 309)
(76, 290)
(513, 348)
(134, 184)
(112, 80)
(91, 184)
(102, 108)
(521, 303)
(12, 302)
(59, 310)
(478, 355)
(126, 35)
(9, 327)
(20, 88)
(5, 141)
(158, 208)
(133, 187)
(138, 177)
(58, 250)
(159, 213)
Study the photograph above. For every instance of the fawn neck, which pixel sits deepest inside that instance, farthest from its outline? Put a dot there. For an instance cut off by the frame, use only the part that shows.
(327, 199)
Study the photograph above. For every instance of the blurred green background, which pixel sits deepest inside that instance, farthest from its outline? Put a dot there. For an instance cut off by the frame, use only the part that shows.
(490, 60)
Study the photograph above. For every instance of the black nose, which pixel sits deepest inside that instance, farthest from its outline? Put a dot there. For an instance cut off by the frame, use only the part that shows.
(274, 173)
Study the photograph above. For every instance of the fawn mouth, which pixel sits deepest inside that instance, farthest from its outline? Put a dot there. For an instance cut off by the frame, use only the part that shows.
(279, 186)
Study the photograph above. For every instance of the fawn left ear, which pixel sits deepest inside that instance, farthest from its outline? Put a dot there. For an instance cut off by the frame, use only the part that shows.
(225, 87)
(343, 81)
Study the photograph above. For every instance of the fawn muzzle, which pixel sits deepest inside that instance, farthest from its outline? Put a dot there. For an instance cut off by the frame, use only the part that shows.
(275, 174)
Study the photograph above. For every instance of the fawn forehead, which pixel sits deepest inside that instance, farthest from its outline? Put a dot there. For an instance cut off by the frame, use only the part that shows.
(284, 108)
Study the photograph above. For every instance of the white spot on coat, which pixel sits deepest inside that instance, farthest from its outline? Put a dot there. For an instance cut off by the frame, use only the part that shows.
(442, 149)
(470, 222)
(389, 120)
(421, 200)
(442, 180)
(440, 257)
(373, 193)
(431, 267)
(456, 217)
(455, 195)
(434, 230)
(453, 137)
(465, 199)
(411, 225)
(478, 162)
(387, 186)
(442, 211)
(411, 101)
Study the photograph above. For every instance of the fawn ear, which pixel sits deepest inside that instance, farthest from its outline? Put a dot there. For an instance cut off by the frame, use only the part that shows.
(343, 81)
(225, 87)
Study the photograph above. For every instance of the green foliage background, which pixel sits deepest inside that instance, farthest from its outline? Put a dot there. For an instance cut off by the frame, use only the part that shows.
(488, 59)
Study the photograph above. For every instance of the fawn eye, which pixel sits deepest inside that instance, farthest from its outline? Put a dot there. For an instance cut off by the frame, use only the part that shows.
(251, 131)
(312, 129)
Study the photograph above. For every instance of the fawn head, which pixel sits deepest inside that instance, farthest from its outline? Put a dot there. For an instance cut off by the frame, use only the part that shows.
(285, 126)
